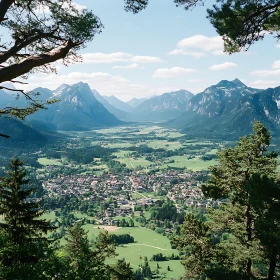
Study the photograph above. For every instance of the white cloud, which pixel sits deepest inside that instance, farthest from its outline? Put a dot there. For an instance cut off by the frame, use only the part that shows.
(265, 73)
(278, 46)
(199, 45)
(145, 59)
(172, 72)
(104, 83)
(182, 52)
(223, 66)
(130, 66)
(202, 42)
(108, 58)
(264, 84)
(276, 64)
(268, 73)
(94, 58)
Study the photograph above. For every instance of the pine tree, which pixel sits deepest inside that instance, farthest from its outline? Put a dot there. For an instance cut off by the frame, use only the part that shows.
(20, 212)
(233, 179)
(242, 235)
(85, 261)
(168, 268)
(265, 199)
(121, 271)
(23, 234)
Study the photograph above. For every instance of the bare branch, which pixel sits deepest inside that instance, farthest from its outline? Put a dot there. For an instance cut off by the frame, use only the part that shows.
(4, 135)
(34, 36)
(10, 72)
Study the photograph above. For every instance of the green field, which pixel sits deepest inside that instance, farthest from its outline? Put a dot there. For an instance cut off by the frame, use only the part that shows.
(122, 154)
(212, 152)
(47, 161)
(118, 145)
(195, 164)
(132, 163)
(147, 243)
(164, 144)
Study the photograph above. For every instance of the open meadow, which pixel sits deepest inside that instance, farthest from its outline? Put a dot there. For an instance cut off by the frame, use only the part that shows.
(147, 243)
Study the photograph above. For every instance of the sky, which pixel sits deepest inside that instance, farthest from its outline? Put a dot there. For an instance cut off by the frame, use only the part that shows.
(164, 48)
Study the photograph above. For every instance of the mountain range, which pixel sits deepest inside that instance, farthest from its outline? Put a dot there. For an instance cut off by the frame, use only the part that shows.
(157, 108)
(77, 109)
(225, 110)
(134, 102)
(228, 109)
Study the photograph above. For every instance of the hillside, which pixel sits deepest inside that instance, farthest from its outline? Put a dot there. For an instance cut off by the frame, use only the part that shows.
(228, 110)
(20, 133)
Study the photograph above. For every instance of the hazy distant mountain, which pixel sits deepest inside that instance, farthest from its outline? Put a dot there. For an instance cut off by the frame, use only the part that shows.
(77, 109)
(164, 107)
(134, 102)
(175, 100)
(228, 110)
(117, 103)
(122, 115)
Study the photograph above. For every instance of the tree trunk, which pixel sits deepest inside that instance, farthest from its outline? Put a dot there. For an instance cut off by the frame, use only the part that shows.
(272, 264)
(249, 239)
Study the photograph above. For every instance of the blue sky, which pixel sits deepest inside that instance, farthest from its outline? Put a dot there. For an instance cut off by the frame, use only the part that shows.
(164, 48)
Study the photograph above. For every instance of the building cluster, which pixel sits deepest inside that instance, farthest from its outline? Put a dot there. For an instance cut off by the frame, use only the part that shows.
(126, 194)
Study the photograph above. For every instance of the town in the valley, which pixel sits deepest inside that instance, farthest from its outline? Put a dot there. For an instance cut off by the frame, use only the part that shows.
(131, 193)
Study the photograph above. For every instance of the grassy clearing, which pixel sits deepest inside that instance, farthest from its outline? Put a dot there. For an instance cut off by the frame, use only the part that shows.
(163, 144)
(212, 152)
(133, 163)
(194, 142)
(147, 243)
(47, 161)
(195, 164)
(50, 216)
(117, 145)
(122, 154)
(147, 129)
(99, 167)
(110, 130)
(115, 130)
(169, 134)
(95, 143)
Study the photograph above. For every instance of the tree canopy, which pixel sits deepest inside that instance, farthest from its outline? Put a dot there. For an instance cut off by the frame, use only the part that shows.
(242, 23)
(240, 239)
